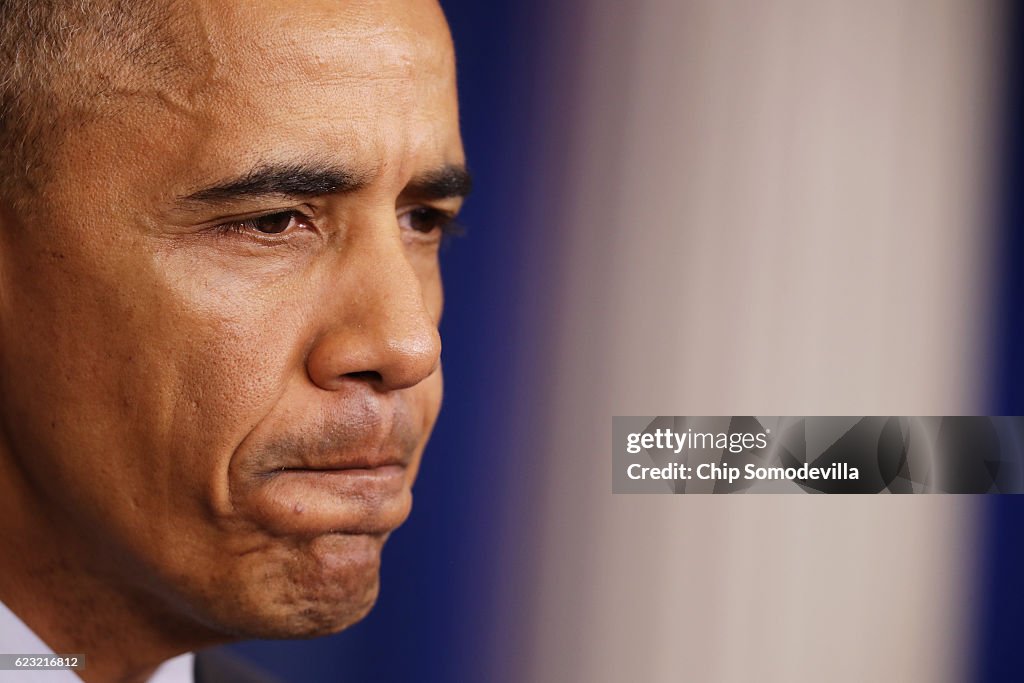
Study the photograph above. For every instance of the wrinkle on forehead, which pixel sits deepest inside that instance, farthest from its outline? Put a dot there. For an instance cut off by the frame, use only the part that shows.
(219, 47)
(208, 45)
(339, 40)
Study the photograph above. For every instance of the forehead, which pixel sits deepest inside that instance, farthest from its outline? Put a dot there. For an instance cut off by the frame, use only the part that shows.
(327, 66)
(366, 84)
(347, 39)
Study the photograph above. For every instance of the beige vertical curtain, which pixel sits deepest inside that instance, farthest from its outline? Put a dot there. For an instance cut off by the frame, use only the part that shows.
(770, 207)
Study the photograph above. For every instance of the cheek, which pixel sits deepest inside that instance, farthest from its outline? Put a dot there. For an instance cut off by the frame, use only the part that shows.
(128, 383)
(232, 353)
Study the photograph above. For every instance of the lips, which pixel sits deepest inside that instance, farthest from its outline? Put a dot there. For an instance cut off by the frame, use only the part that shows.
(314, 501)
(350, 474)
(343, 462)
(314, 493)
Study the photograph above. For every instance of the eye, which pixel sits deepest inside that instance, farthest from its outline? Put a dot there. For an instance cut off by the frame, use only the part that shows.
(272, 226)
(274, 223)
(426, 219)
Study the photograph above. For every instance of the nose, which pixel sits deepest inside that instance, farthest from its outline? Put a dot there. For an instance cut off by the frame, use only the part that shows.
(381, 329)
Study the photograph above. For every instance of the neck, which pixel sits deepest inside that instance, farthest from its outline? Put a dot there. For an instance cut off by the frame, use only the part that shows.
(70, 593)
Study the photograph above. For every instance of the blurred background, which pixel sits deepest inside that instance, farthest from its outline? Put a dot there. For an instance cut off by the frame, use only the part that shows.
(704, 207)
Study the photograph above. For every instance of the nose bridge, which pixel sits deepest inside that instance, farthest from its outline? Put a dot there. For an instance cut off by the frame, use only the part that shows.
(380, 328)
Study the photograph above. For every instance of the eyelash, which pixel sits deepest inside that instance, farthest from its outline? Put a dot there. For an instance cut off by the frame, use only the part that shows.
(247, 227)
(437, 219)
(443, 221)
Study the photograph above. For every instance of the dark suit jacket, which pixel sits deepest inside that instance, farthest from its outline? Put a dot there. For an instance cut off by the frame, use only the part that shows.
(215, 666)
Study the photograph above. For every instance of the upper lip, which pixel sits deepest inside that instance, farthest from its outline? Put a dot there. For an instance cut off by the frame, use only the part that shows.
(364, 439)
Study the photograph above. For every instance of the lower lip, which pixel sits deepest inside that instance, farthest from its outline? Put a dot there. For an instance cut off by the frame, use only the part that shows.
(366, 501)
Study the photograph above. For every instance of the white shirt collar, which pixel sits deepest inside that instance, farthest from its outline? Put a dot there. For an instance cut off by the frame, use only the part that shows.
(17, 638)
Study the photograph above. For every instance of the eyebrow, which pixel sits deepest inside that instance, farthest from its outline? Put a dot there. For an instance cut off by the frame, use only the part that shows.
(309, 180)
(289, 180)
(448, 182)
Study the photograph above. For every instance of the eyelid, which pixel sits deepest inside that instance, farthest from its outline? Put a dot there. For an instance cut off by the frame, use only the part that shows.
(445, 219)
(236, 226)
(306, 211)
(406, 210)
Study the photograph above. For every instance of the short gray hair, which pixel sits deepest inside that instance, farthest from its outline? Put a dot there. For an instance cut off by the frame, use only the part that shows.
(54, 55)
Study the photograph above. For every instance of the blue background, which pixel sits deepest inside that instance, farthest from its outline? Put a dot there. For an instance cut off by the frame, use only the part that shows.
(1000, 633)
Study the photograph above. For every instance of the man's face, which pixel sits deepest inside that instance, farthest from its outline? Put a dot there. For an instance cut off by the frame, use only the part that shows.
(220, 359)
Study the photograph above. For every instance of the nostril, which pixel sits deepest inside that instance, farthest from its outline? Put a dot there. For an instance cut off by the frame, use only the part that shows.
(366, 376)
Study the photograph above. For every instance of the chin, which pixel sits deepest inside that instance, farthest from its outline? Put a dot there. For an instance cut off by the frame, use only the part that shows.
(313, 620)
(321, 589)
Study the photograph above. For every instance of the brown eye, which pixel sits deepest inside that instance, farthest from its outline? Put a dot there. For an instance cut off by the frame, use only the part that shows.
(426, 220)
(275, 223)
(280, 227)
